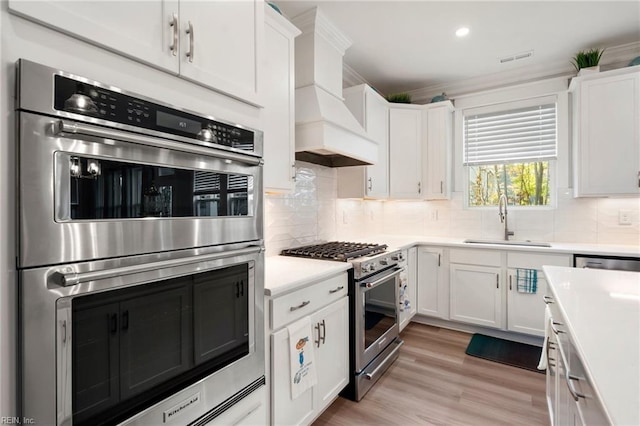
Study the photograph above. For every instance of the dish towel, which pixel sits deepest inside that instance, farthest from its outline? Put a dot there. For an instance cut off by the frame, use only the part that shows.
(301, 361)
(527, 280)
(542, 365)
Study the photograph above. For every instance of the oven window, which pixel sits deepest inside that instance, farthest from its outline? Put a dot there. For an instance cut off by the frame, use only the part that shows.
(136, 346)
(379, 311)
(104, 189)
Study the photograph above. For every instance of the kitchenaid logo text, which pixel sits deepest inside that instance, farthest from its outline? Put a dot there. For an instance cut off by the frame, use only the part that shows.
(4, 420)
(177, 409)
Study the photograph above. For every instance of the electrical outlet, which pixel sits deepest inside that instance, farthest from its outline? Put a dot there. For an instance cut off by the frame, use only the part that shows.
(624, 217)
(434, 215)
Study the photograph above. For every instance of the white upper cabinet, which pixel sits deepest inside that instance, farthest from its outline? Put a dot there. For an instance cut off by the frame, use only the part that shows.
(372, 112)
(279, 102)
(221, 45)
(606, 133)
(405, 151)
(216, 44)
(439, 140)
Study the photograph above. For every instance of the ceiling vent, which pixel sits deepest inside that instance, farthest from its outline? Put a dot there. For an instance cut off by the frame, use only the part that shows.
(516, 57)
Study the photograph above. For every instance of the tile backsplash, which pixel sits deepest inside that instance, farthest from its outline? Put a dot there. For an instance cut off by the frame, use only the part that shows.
(312, 212)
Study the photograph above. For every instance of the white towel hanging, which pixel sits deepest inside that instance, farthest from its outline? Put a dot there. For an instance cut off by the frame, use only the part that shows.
(542, 365)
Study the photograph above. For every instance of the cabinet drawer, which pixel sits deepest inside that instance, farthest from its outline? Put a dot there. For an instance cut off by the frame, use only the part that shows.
(476, 257)
(535, 261)
(292, 306)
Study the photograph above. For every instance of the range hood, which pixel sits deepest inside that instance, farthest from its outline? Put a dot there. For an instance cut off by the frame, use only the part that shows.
(326, 131)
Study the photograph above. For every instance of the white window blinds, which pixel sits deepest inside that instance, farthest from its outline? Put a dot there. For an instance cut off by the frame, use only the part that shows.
(517, 135)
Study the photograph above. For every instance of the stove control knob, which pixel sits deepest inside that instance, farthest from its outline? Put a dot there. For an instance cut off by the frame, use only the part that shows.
(397, 257)
(384, 261)
(80, 103)
(372, 267)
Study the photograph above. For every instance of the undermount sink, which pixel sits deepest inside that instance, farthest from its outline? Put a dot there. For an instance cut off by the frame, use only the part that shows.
(508, 243)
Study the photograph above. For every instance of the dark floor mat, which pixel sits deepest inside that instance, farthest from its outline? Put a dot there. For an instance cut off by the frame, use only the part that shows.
(503, 351)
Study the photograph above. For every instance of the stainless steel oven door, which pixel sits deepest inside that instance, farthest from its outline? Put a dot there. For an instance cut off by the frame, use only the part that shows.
(377, 319)
(88, 192)
(47, 332)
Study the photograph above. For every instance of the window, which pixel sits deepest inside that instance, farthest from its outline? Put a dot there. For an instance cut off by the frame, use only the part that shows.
(510, 149)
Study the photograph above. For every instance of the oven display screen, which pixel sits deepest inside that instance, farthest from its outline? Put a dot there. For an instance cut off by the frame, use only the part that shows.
(177, 123)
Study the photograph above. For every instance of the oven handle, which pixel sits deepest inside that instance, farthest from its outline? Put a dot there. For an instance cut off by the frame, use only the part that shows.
(371, 284)
(82, 129)
(65, 277)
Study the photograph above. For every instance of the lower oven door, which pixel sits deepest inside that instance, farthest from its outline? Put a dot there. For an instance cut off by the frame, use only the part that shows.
(89, 192)
(156, 339)
(377, 321)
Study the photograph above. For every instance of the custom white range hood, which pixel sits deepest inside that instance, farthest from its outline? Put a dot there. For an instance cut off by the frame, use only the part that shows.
(326, 131)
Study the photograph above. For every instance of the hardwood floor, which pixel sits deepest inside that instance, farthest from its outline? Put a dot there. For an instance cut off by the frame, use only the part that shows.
(434, 382)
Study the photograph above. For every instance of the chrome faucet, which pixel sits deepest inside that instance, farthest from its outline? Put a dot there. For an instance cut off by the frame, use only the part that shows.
(503, 216)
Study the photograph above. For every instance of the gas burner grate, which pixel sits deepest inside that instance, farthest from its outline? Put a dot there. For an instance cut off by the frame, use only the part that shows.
(336, 250)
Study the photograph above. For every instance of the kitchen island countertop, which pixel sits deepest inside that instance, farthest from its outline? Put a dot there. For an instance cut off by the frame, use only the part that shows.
(601, 309)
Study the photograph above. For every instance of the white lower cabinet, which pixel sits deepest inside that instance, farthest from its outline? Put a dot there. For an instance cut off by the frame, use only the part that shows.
(433, 286)
(476, 297)
(330, 331)
(525, 311)
(251, 410)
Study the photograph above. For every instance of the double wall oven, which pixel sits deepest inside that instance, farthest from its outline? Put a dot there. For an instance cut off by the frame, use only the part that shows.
(374, 283)
(140, 303)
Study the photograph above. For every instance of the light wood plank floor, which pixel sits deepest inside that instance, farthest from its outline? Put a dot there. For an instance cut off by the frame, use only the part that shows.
(434, 382)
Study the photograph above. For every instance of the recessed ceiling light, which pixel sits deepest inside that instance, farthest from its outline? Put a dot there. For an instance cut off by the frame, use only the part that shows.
(462, 31)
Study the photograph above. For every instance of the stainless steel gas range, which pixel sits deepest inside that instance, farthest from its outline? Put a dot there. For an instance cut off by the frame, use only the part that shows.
(373, 311)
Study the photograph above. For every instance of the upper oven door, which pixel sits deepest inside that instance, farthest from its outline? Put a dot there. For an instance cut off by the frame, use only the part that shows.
(378, 318)
(87, 192)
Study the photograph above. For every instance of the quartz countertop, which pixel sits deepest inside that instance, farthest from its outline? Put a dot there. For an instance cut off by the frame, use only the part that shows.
(284, 274)
(601, 309)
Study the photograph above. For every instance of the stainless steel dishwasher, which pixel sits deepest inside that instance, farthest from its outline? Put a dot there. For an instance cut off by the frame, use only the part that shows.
(607, 262)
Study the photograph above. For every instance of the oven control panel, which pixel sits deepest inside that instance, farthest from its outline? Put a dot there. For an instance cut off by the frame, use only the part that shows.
(363, 268)
(92, 100)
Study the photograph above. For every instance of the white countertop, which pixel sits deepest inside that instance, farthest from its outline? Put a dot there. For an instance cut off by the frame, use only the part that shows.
(602, 313)
(284, 274)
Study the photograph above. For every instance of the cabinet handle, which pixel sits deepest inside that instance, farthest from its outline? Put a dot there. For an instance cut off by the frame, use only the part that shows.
(64, 331)
(337, 289)
(302, 305)
(176, 31)
(439, 256)
(441, 187)
(419, 187)
(510, 276)
(293, 175)
(125, 320)
(497, 280)
(324, 332)
(370, 184)
(574, 393)
(191, 42)
(242, 288)
(317, 328)
(114, 323)
(555, 330)
(547, 300)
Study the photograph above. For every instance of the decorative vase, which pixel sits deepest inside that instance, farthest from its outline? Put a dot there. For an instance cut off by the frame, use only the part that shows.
(589, 70)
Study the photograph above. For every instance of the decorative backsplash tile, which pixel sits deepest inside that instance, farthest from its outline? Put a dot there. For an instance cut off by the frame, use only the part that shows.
(312, 212)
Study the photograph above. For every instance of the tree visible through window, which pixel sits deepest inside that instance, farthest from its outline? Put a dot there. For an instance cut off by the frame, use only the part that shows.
(525, 184)
(509, 151)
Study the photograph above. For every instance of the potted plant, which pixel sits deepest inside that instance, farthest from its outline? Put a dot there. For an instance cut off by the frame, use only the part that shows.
(399, 98)
(587, 61)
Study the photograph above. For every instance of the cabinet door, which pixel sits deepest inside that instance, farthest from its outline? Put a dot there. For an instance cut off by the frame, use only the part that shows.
(220, 312)
(284, 410)
(155, 343)
(433, 289)
(408, 310)
(438, 147)
(96, 360)
(279, 114)
(332, 350)
(608, 145)
(475, 295)
(405, 163)
(377, 127)
(525, 311)
(138, 29)
(220, 45)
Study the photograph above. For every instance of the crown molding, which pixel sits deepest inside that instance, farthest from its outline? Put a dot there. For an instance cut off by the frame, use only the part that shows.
(613, 57)
(350, 77)
(314, 21)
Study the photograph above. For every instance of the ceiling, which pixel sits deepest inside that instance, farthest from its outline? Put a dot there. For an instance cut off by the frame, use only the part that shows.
(407, 45)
